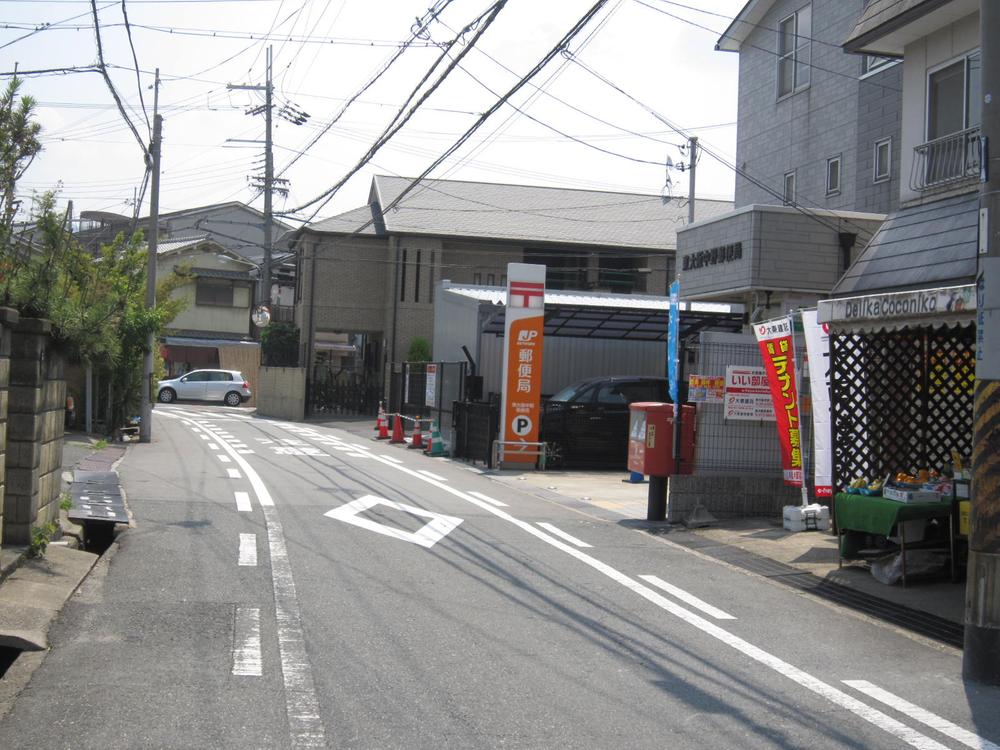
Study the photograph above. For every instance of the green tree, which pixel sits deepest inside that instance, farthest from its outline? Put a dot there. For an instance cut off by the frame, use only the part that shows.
(419, 351)
(279, 343)
(96, 302)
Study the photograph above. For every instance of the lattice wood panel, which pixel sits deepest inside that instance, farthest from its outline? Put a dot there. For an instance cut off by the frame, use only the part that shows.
(901, 400)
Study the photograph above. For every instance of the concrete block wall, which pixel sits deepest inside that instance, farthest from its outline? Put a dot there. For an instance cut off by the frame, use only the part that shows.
(730, 496)
(8, 319)
(35, 416)
(282, 392)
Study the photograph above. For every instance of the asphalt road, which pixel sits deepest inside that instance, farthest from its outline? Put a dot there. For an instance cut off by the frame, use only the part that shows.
(289, 586)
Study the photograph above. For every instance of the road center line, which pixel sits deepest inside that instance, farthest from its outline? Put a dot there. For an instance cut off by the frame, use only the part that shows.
(243, 502)
(248, 550)
(947, 728)
(829, 692)
(247, 661)
(432, 476)
(305, 726)
(684, 596)
(563, 535)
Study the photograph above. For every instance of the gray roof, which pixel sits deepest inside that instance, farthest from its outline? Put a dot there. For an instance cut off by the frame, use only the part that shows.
(176, 245)
(523, 213)
(920, 247)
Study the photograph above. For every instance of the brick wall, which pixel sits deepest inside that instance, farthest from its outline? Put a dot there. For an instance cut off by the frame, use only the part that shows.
(35, 415)
(8, 319)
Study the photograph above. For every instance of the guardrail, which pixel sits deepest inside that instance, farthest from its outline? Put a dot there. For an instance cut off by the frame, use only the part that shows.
(533, 450)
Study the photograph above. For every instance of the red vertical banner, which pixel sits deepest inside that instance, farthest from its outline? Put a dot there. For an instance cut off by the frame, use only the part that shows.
(524, 327)
(777, 349)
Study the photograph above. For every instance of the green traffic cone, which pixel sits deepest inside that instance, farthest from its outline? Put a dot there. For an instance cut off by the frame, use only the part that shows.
(435, 446)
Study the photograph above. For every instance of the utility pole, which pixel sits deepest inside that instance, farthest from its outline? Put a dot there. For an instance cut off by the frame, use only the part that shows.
(146, 414)
(981, 657)
(693, 143)
(264, 291)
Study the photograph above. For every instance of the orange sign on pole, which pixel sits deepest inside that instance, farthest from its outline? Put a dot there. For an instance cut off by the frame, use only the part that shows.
(524, 329)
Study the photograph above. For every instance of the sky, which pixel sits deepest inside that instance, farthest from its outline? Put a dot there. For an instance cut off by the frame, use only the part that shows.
(586, 120)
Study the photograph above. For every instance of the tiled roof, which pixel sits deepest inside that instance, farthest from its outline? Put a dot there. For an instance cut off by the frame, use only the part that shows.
(522, 213)
(176, 245)
(933, 245)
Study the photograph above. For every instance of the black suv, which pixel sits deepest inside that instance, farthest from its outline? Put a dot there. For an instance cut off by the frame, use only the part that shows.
(587, 422)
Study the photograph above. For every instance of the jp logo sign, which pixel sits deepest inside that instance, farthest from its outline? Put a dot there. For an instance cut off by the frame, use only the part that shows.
(521, 425)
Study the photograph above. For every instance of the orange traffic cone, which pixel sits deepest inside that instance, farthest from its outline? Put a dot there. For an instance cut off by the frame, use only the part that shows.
(383, 428)
(397, 431)
(381, 416)
(417, 441)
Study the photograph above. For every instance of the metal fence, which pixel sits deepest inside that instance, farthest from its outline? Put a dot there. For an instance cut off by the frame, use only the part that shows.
(946, 161)
(728, 447)
(428, 390)
(329, 392)
(475, 427)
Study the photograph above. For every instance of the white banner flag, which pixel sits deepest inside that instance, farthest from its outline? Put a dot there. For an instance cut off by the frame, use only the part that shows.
(818, 350)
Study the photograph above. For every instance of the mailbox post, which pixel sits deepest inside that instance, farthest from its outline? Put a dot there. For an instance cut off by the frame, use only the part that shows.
(651, 449)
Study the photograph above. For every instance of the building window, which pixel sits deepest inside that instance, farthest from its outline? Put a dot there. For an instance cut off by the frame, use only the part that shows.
(491, 279)
(430, 278)
(788, 193)
(477, 278)
(794, 51)
(416, 279)
(833, 175)
(402, 279)
(883, 159)
(953, 97)
(218, 292)
(871, 63)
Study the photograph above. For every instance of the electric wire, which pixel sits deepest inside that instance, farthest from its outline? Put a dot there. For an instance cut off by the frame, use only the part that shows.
(138, 78)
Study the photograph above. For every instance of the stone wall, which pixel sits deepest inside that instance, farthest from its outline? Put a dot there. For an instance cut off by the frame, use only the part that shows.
(35, 415)
(282, 393)
(8, 319)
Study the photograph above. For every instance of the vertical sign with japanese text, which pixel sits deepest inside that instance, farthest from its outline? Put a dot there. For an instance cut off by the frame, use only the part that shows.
(778, 352)
(524, 328)
(818, 349)
(430, 385)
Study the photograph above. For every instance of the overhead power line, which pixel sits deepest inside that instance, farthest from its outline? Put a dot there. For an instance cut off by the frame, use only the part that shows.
(481, 24)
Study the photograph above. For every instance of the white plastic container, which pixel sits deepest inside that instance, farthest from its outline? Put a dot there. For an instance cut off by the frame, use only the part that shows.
(813, 517)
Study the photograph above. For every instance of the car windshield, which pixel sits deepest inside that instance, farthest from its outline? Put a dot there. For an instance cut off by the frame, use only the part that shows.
(569, 393)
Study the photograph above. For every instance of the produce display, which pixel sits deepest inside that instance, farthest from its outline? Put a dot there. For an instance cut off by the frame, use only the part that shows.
(924, 485)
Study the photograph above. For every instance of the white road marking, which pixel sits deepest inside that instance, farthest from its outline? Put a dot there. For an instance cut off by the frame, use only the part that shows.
(233, 473)
(687, 598)
(204, 437)
(247, 661)
(224, 458)
(427, 535)
(245, 452)
(359, 455)
(391, 458)
(212, 447)
(243, 501)
(305, 726)
(947, 728)
(562, 534)
(361, 447)
(490, 500)
(195, 429)
(829, 692)
(432, 476)
(265, 441)
(248, 550)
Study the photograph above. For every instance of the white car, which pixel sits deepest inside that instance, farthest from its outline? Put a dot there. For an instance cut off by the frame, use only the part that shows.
(227, 386)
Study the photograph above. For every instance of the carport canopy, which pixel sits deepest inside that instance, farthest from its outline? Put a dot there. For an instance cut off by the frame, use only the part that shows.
(597, 315)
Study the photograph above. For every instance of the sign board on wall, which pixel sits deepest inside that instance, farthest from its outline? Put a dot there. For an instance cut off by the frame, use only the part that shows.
(673, 341)
(747, 395)
(706, 389)
(524, 328)
(430, 388)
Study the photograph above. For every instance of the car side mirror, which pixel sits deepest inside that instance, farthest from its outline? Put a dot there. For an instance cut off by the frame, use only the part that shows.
(184, 380)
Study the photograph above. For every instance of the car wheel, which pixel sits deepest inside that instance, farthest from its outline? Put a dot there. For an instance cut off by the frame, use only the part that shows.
(555, 454)
(233, 399)
(167, 396)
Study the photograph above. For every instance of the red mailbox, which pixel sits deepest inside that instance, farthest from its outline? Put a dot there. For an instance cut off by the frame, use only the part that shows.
(651, 439)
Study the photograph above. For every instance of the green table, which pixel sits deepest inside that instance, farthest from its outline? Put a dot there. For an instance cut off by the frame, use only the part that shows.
(878, 515)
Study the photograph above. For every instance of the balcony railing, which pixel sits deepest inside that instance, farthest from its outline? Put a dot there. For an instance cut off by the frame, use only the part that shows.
(283, 313)
(947, 161)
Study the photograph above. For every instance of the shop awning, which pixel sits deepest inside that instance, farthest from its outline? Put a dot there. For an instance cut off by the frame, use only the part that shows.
(944, 306)
(193, 341)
